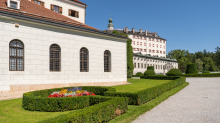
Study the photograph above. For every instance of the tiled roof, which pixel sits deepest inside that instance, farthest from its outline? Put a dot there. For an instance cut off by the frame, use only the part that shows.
(31, 9)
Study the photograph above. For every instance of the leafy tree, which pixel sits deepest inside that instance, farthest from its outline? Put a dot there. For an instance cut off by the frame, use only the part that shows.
(205, 52)
(182, 64)
(199, 64)
(208, 64)
(199, 55)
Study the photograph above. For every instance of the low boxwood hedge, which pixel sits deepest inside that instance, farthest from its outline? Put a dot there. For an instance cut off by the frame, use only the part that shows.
(39, 101)
(107, 109)
(146, 95)
(205, 71)
(202, 75)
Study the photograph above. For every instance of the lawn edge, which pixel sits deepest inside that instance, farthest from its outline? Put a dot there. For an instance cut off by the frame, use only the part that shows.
(139, 110)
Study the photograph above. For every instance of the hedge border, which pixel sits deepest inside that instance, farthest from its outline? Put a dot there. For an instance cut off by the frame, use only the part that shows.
(108, 109)
(39, 101)
(202, 75)
(146, 95)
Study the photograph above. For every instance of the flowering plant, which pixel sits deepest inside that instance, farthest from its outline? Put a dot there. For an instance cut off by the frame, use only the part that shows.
(71, 92)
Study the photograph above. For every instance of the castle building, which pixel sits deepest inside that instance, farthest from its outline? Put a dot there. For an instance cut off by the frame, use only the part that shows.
(149, 49)
(46, 44)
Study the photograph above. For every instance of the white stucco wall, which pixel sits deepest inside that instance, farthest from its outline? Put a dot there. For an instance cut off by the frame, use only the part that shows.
(65, 8)
(147, 41)
(37, 40)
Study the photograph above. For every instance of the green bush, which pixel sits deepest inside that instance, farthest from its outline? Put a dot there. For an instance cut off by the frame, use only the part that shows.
(191, 68)
(39, 101)
(206, 72)
(102, 112)
(138, 74)
(146, 95)
(150, 68)
(174, 72)
(149, 72)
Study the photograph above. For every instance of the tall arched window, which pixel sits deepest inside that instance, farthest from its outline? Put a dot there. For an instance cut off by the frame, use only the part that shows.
(16, 55)
(84, 60)
(107, 61)
(55, 57)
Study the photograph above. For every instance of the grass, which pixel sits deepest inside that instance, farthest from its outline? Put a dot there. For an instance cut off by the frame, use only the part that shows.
(135, 111)
(11, 111)
(139, 84)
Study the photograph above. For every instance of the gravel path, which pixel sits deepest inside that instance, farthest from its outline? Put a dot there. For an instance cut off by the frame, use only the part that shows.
(199, 102)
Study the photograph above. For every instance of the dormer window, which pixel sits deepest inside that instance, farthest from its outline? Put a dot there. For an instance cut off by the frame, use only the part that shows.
(15, 4)
(56, 9)
(38, 2)
(73, 13)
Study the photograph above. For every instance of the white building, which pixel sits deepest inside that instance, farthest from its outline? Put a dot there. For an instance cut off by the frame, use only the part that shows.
(40, 49)
(149, 49)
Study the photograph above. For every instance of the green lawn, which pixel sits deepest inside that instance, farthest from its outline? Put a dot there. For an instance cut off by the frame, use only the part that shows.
(11, 111)
(139, 84)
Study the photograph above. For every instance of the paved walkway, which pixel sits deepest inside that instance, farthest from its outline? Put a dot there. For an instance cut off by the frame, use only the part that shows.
(199, 102)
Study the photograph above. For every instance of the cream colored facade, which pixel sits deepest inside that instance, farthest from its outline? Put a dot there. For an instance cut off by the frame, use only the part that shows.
(66, 5)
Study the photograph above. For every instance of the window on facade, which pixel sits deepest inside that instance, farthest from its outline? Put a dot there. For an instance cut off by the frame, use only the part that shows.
(107, 61)
(153, 51)
(145, 44)
(145, 50)
(141, 49)
(160, 52)
(55, 56)
(38, 2)
(141, 65)
(137, 43)
(149, 50)
(133, 42)
(137, 49)
(149, 44)
(84, 60)
(134, 65)
(164, 42)
(141, 43)
(73, 13)
(145, 66)
(138, 65)
(56, 9)
(163, 47)
(16, 56)
(13, 4)
(153, 45)
(157, 51)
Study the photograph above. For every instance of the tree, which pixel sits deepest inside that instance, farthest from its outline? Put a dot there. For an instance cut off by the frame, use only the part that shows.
(177, 54)
(208, 64)
(205, 52)
(199, 64)
(217, 49)
(199, 55)
(182, 64)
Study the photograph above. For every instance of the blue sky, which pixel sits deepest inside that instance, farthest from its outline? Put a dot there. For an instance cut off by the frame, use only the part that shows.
(192, 25)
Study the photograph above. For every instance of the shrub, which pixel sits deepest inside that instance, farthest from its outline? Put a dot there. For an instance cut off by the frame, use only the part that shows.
(174, 72)
(150, 68)
(39, 101)
(146, 95)
(191, 68)
(149, 72)
(206, 72)
(139, 74)
(107, 109)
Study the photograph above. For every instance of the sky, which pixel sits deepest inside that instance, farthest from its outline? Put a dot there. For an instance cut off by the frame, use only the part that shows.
(192, 25)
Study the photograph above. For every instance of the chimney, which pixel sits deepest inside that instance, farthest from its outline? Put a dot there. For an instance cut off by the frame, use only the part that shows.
(155, 34)
(145, 32)
(133, 30)
(140, 31)
(126, 29)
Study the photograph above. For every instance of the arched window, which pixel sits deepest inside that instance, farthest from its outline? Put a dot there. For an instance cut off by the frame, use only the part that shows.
(55, 56)
(84, 60)
(16, 55)
(107, 61)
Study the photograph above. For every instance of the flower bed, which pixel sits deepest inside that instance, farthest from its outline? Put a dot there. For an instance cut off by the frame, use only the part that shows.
(39, 100)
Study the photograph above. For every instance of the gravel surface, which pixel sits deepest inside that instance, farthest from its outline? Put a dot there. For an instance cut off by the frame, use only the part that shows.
(199, 102)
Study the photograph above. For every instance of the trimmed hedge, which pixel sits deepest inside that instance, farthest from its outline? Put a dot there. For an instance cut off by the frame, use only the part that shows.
(39, 101)
(191, 68)
(146, 95)
(202, 75)
(174, 72)
(150, 68)
(149, 73)
(108, 109)
(206, 72)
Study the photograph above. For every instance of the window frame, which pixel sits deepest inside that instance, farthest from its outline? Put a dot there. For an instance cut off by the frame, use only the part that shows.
(54, 59)
(76, 13)
(108, 54)
(82, 61)
(16, 57)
